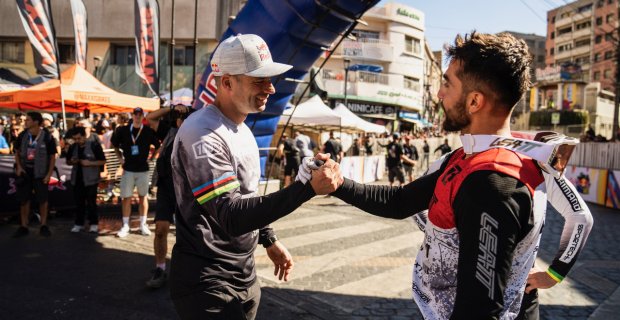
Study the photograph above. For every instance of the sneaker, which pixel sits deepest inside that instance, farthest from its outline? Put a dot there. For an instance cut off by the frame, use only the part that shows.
(45, 231)
(93, 228)
(144, 230)
(76, 228)
(21, 232)
(159, 278)
(123, 232)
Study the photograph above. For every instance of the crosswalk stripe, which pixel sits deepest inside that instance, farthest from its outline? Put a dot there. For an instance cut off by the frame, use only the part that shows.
(332, 234)
(308, 221)
(348, 256)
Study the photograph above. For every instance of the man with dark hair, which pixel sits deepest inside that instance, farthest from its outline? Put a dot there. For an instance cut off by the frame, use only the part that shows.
(394, 161)
(86, 156)
(165, 122)
(486, 201)
(333, 147)
(288, 149)
(409, 158)
(444, 148)
(35, 157)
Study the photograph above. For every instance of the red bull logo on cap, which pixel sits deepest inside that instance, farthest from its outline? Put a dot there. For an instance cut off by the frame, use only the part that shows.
(263, 52)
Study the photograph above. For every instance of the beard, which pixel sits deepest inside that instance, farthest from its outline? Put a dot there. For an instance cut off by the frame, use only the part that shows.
(456, 118)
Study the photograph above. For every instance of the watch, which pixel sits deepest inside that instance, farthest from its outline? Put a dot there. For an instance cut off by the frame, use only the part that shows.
(269, 241)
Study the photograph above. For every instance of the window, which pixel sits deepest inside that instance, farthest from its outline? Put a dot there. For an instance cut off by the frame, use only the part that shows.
(600, 3)
(586, 8)
(412, 45)
(599, 21)
(582, 43)
(540, 59)
(608, 55)
(365, 34)
(565, 47)
(597, 57)
(552, 35)
(412, 83)
(609, 18)
(607, 74)
(66, 53)
(596, 76)
(12, 52)
(609, 37)
(598, 39)
(123, 55)
(553, 19)
(565, 31)
(551, 51)
(541, 44)
(582, 60)
(584, 25)
(184, 56)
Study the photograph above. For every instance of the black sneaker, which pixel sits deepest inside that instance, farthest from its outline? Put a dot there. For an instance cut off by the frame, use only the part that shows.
(45, 231)
(21, 232)
(159, 278)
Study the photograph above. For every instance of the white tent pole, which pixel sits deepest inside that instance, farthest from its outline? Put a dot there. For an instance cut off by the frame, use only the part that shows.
(64, 113)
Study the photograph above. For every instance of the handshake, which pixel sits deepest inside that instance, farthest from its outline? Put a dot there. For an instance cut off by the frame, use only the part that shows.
(323, 173)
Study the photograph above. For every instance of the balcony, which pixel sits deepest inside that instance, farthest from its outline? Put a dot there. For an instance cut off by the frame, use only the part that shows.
(377, 87)
(581, 50)
(575, 17)
(367, 49)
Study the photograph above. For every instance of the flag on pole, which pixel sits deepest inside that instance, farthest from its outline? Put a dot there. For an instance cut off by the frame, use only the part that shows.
(147, 42)
(80, 31)
(37, 23)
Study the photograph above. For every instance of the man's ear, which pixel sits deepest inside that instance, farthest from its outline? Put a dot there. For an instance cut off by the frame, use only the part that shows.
(475, 101)
(226, 82)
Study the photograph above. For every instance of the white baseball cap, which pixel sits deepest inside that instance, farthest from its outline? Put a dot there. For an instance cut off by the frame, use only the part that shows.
(47, 116)
(245, 54)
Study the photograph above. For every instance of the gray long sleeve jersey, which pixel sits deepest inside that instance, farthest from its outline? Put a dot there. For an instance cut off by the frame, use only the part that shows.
(216, 173)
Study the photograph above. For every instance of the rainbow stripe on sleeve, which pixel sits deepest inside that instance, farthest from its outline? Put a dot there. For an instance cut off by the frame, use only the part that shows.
(214, 188)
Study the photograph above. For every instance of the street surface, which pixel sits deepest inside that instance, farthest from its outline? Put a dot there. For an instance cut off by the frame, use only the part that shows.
(348, 265)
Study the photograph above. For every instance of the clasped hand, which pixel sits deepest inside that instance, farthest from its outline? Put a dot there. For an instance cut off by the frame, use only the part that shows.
(324, 179)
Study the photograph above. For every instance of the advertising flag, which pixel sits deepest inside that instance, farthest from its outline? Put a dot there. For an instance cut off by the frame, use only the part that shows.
(80, 30)
(37, 23)
(147, 42)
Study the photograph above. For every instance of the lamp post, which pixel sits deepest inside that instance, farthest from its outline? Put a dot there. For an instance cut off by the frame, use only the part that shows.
(347, 62)
(97, 63)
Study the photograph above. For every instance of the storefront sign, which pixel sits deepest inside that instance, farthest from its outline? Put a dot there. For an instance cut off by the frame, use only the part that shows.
(368, 108)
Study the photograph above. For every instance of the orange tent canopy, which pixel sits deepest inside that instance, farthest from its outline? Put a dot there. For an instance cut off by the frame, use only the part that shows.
(80, 90)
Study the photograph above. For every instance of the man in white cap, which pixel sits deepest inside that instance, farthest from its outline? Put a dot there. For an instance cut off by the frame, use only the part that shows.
(216, 172)
(48, 123)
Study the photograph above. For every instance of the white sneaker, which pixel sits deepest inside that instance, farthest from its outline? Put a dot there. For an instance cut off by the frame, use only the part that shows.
(94, 228)
(123, 232)
(144, 230)
(77, 228)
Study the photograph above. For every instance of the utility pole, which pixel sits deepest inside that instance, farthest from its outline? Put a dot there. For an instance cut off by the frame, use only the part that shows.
(617, 87)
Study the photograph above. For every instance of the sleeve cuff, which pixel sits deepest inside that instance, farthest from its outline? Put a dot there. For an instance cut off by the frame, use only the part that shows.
(554, 275)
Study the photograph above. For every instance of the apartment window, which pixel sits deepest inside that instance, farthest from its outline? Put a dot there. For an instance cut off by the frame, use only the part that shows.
(597, 57)
(582, 60)
(541, 44)
(584, 25)
(540, 59)
(412, 83)
(609, 37)
(412, 45)
(565, 31)
(600, 3)
(582, 43)
(586, 8)
(599, 21)
(553, 19)
(66, 53)
(123, 55)
(12, 52)
(607, 74)
(366, 34)
(184, 56)
(551, 51)
(565, 47)
(608, 55)
(598, 39)
(552, 35)
(609, 18)
(596, 76)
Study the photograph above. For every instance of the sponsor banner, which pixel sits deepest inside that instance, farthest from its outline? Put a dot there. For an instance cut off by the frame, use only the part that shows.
(352, 168)
(363, 169)
(590, 183)
(36, 21)
(80, 31)
(147, 42)
(613, 189)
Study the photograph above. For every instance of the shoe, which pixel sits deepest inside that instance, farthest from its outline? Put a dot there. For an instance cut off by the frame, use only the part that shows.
(123, 232)
(45, 231)
(144, 230)
(159, 278)
(93, 228)
(76, 228)
(21, 232)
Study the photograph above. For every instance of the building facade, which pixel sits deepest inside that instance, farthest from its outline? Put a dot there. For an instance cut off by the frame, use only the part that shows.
(387, 60)
(111, 42)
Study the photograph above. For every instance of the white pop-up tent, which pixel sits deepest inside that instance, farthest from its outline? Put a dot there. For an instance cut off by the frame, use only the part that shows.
(353, 120)
(312, 113)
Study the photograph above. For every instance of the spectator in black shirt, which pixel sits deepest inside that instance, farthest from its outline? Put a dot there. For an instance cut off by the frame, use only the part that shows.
(288, 149)
(35, 157)
(165, 122)
(86, 157)
(333, 147)
(410, 157)
(135, 141)
(444, 148)
(394, 160)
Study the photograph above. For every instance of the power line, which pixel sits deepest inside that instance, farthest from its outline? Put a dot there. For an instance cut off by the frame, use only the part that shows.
(534, 11)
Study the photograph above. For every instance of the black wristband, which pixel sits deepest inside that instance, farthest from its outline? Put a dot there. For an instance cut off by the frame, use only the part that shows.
(269, 241)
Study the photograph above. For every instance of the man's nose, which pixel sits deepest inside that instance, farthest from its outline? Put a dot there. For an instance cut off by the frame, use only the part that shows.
(269, 88)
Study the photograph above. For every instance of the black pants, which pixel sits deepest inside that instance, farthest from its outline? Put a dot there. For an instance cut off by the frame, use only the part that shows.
(529, 306)
(85, 201)
(221, 303)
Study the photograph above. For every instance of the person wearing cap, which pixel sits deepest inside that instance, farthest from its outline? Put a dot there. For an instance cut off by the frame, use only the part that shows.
(216, 171)
(165, 122)
(48, 124)
(135, 141)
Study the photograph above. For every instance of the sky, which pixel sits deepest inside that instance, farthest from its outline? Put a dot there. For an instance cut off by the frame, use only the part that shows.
(446, 18)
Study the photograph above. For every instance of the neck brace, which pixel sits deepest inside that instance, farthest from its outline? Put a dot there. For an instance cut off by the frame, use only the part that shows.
(552, 154)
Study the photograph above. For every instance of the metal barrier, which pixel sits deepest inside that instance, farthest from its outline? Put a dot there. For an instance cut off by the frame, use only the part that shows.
(601, 155)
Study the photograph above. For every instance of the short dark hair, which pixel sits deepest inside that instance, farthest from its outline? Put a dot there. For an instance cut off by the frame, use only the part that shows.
(496, 65)
(78, 130)
(35, 116)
